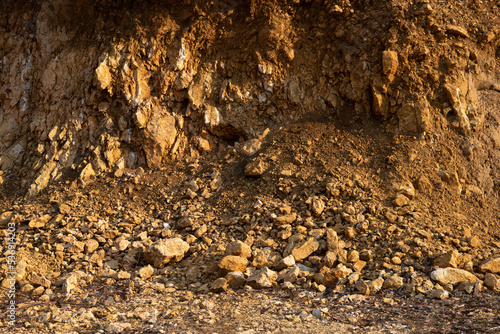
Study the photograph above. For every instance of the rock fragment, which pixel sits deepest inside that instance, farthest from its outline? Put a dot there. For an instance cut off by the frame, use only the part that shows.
(492, 281)
(250, 147)
(393, 282)
(90, 246)
(219, 285)
(448, 259)
(457, 31)
(238, 248)
(165, 250)
(286, 262)
(39, 222)
(304, 249)
(233, 263)
(235, 279)
(452, 275)
(285, 219)
(318, 206)
(264, 278)
(145, 272)
(438, 294)
(491, 266)
(255, 168)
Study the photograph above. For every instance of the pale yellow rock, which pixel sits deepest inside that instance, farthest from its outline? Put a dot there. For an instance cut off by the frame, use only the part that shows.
(452, 275)
(304, 249)
(233, 263)
(238, 248)
(491, 266)
(166, 250)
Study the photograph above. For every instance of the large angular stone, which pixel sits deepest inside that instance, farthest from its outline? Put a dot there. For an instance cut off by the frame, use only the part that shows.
(39, 221)
(492, 281)
(235, 279)
(452, 275)
(255, 168)
(491, 266)
(285, 219)
(393, 282)
(263, 278)
(448, 259)
(233, 263)
(238, 248)
(166, 250)
(304, 249)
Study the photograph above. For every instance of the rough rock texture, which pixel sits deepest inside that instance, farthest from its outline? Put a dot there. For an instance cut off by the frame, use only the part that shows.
(492, 266)
(166, 250)
(452, 275)
(83, 91)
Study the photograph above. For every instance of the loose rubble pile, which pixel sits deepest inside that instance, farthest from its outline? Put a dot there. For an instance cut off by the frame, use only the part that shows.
(306, 221)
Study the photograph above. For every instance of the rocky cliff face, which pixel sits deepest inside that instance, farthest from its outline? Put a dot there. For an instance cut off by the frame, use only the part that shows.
(93, 86)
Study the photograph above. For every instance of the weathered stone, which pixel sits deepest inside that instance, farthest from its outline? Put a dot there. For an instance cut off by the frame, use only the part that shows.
(475, 242)
(452, 275)
(145, 272)
(38, 291)
(219, 285)
(64, 208)
(363, 288)
(238, 248)
(438, 294)
(491, 266)
(389, 63)
(492, 281)
(166, 250)
(352, 256)
(264, 278)
(292, 274)
(466, 286)
(329, 259)
(318, 206)
(400, 200)
(40, 281)
(304, 249)
(235, 279)
(90, 246)
(406, 188)
(358, 266)
(117, 327)
(286, 262)
(393, 282)
(69, 284)
(255, 168)
(456, 30)
(122, 275)
(250, 147)
(39, 222)
(448, 259)
(76, 247)
(233, 263)
(333, 242)
(285, 219)
(86, 174)
(376, 285)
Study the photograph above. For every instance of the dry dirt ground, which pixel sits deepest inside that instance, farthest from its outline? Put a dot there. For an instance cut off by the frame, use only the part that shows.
(346, 160)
